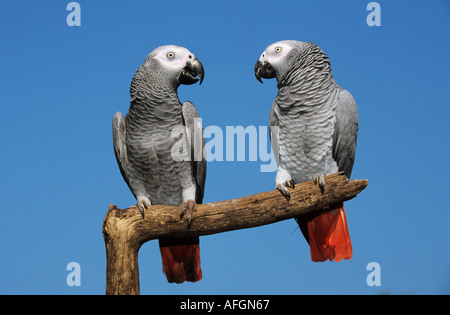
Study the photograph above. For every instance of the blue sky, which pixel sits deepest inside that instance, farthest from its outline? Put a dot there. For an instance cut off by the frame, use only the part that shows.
(61, 85)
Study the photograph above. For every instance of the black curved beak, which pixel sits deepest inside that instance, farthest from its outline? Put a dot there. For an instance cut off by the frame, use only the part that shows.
(264, 70)
(190, 72)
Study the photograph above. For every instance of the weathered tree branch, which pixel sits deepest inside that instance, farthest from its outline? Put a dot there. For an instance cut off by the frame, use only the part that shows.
(124, 230)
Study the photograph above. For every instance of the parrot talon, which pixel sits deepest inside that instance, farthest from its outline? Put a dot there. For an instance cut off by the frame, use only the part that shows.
(142, 205)
(188, 207)
(319, 178)
(282, 188)
(290, 183)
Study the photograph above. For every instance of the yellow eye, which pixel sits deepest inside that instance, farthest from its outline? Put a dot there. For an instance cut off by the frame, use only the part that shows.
(278, 49)
(171, 55)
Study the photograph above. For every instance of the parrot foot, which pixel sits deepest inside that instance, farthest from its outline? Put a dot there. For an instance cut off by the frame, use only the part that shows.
(142, 205)
(188, 207)
(282, 188)
(320, 179)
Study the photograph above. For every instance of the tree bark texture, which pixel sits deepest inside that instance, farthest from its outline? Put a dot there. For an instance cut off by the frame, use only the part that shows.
(124, 230)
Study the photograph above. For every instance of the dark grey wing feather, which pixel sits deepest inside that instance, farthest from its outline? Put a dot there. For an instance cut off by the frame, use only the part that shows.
(120, 145)
(274, 132)
(345, 132)
(198, 157)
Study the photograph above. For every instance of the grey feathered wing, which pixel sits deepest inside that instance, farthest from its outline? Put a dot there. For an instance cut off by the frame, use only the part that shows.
(274, 133)
(197, 144)
(181, 257)
(120, 146)
(345, 132)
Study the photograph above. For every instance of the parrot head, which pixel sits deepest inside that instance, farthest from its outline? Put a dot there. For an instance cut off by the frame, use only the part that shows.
(177, 64)
(277, 58)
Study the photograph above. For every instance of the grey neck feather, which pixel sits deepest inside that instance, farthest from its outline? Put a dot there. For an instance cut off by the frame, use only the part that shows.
(308, 85)
(153, 102)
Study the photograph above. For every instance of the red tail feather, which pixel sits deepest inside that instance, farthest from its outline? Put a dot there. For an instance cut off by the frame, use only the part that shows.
(328, 236)
(181, 259)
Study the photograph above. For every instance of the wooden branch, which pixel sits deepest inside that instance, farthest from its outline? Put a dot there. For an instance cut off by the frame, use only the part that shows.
(124, 230)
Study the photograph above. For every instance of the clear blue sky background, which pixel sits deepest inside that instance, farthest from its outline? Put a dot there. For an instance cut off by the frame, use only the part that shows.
(60, 87)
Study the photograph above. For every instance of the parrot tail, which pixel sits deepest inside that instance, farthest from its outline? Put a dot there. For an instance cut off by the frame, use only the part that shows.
(181, 259)
(328, 236)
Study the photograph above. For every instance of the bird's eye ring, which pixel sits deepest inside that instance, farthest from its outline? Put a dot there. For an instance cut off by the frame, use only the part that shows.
(277, 50)
(171, 55)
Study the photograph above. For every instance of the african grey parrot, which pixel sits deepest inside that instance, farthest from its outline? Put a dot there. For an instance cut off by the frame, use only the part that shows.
(144, 147)
(313, 127)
